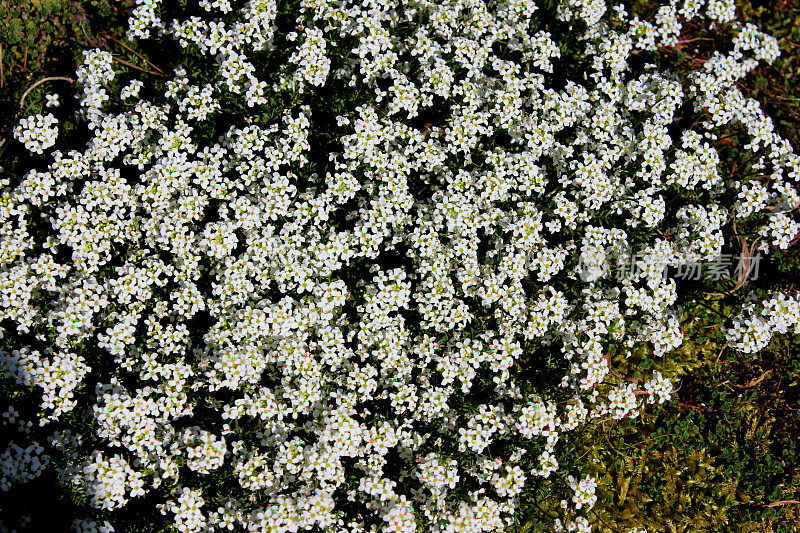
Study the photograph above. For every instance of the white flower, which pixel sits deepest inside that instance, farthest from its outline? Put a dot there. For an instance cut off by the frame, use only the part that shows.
(38, 132)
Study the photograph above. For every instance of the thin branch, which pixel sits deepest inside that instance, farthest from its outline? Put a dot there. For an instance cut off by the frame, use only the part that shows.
(131, 50)
(745, 260)
(90, 40)
(131, 65)
(720, 354)
(25, 94)
(612, 446)
(781, 503)
(32, 87)
(694, 40)
(752, 383)
(692, 407)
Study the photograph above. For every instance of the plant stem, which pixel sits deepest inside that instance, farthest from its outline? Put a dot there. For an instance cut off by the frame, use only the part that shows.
(32, 87)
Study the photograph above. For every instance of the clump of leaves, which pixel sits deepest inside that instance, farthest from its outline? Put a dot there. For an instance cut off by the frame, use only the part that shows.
(720, 456)
(45, 37)
(29, 29)
(775, 86)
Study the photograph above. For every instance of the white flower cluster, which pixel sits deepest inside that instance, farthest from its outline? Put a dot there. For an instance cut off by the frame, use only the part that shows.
(94, 73)
(621, 402)
(58, 374)
(780, 231)
(579, 525)
(131, 90)
(37, 132)
(584, 491)
(110, 482)
(754, 327)
(91, 526)
(204, 451)
(186, 508)
(18, 464)
(659, 388)
(312, 64)
(341, 309)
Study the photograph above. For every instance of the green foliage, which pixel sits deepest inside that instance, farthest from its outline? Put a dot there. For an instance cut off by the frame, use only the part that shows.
(779, 92)
(29, 27)
(41, 38)
(721, 456)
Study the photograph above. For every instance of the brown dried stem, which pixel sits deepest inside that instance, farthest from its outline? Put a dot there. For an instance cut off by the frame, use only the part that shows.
(131, 50)
(32, 87)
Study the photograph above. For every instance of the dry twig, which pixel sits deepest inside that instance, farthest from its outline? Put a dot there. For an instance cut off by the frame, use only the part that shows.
(131, 65)
(32, 87)
(781, 503)
(134, 52)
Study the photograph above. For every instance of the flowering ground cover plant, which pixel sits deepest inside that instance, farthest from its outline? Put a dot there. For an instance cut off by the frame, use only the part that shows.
(362, 266)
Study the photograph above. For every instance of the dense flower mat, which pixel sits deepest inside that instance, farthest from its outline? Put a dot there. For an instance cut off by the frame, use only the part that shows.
(361, 265)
